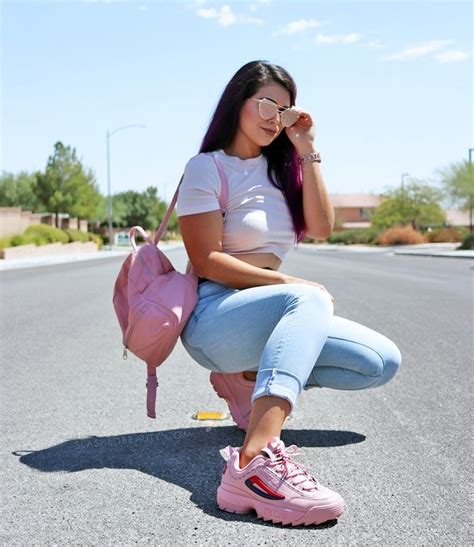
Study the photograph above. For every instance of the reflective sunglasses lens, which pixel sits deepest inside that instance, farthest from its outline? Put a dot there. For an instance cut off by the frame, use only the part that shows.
(289, 117)
(267, 110)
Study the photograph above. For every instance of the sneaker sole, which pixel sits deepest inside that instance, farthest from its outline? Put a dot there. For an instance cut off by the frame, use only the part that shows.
(220, 383)
(317, 514)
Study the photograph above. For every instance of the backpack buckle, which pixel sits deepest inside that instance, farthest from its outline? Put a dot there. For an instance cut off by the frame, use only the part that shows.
(146, 385)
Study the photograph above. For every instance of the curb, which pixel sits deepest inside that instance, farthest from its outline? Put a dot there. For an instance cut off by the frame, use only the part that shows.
(35, 262)
(442, 250)
(447, 254)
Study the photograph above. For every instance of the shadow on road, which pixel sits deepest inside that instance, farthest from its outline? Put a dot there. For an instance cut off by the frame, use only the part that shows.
(186, 457)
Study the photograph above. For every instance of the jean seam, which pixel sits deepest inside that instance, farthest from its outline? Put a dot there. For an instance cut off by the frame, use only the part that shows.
(199, 350)
(277, 357)
(365, 346)
(287, 372)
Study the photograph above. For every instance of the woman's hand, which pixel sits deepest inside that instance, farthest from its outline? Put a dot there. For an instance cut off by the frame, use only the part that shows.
(302, 133)
(291, 279)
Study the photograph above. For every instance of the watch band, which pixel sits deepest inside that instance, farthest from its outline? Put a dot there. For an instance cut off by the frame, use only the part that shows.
(306, 158)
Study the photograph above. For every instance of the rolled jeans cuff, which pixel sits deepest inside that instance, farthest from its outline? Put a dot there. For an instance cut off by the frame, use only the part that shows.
(277, 383)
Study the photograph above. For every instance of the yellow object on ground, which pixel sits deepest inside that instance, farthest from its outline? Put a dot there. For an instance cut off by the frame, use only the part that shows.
(209, 415)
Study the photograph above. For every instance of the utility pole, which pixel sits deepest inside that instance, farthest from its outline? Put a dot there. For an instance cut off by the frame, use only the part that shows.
(108, 135)
(470, 195)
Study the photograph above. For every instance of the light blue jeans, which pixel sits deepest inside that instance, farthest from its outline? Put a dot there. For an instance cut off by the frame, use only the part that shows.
(289, 334)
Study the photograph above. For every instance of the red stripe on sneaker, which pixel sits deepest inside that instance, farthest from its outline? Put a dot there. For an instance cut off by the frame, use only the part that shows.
(257, 481)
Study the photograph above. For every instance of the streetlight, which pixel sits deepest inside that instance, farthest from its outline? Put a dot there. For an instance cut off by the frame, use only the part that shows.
(403, 188)
(470, 198)
(403, 179)
(109, 134)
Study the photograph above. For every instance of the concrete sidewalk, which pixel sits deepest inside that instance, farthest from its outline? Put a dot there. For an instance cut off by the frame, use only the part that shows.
(425, 249)
(36, 261)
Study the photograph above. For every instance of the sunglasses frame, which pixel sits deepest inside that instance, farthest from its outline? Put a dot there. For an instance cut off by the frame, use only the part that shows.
(279, 110)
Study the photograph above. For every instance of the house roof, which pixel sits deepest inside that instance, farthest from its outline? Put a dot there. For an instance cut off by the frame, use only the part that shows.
(355, 200)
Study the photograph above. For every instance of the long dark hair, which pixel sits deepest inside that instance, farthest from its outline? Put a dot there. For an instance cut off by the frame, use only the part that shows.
(284, 169)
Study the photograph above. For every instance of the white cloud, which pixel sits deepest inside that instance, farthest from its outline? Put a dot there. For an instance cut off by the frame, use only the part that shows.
(351, 38)
(452, 56)
(207, 13)
(226, 17)
(259, 3)
(298, 26)
(104, 1)
(420, 50)
(375, 44)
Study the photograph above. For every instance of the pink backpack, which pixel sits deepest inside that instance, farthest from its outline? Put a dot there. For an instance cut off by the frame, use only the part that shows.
(153, 301)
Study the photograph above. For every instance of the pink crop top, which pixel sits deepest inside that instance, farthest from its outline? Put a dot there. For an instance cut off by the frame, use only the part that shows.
(257, 216)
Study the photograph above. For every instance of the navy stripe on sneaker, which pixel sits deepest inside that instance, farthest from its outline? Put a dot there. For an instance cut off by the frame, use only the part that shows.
(261, 489)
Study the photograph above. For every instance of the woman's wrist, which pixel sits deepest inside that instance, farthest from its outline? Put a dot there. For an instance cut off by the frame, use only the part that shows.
(290, 279)
(309, 148)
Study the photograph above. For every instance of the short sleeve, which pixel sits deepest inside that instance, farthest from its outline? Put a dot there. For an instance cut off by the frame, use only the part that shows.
(200, 188)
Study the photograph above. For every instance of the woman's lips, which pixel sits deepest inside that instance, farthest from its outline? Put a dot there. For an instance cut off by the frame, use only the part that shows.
(269, 131)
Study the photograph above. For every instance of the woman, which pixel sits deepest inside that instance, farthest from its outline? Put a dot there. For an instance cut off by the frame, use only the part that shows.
(266, 335)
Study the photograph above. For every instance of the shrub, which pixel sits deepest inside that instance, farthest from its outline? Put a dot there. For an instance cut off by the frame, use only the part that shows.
(5, 242)
(96, 239)
(84, 237)
(445, 235)
(77, 235)
(467, 244)
(359, 235)
(17, 240)
(42, 234)
(401, 235)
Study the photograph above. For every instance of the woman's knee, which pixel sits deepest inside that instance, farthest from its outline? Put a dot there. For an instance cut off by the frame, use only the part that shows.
(392, 359)
(298, 294)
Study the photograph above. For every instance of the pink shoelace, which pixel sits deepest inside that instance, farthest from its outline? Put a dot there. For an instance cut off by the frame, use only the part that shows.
(282, 461)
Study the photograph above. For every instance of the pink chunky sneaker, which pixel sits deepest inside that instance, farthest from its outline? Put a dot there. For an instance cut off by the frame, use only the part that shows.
(277, 487)
(237, 391)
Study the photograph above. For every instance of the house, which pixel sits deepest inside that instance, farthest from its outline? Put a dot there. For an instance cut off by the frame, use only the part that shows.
(457, 218)
(353, 210)
(13, 220)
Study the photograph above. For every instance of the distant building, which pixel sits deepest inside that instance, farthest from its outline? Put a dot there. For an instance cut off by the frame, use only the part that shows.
(454, 217)
(13, 220)
(353, 210)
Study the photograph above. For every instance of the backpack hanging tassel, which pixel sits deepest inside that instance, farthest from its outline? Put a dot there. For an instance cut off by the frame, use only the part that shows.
(151, 385)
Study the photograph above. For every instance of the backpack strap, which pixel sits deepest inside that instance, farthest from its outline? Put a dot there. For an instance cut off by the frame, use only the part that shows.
(152, 380)
(222, 199)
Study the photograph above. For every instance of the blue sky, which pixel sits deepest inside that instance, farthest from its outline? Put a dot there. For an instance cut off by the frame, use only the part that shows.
(389, 84)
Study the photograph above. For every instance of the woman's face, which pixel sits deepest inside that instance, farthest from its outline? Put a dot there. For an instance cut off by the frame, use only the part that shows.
(252, 126)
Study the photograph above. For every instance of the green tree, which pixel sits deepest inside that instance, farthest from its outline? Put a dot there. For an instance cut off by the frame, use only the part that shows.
(131, 208)
(119, 210)
(19, 191)
(65, 186)
(458, 183)
(144, 209)
(417, 203)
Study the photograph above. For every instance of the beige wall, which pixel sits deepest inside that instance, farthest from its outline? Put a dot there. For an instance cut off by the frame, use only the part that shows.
(15, 221)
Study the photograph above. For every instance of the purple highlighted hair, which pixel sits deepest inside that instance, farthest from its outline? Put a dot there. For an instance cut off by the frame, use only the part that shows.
(283, 165)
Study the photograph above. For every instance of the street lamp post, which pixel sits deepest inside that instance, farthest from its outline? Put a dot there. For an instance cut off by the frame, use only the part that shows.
(403, 188)
(109, 134)
(471, 150)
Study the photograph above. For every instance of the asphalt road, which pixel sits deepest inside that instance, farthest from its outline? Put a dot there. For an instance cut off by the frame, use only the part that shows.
(83, 465)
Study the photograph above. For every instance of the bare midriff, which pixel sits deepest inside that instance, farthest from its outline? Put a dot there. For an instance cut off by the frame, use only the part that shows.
(261, 260)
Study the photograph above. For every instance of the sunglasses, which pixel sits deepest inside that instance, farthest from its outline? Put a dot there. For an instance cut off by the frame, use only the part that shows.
(267, 110)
